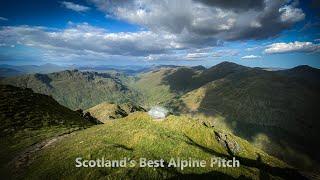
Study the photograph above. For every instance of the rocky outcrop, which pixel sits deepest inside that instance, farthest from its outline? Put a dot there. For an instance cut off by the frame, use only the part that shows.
(228, 142)
(87, 116)
(109, 111)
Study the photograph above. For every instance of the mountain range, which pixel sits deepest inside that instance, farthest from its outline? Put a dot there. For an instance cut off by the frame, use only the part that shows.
(275, 111)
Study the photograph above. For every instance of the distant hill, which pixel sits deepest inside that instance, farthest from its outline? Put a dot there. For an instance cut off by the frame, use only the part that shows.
(30, 69)
(76, 89)
(7, 72)
(28, 118)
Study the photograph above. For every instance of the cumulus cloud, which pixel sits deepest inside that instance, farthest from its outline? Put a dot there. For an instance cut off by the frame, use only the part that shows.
(292, 47)
(168, 26)
(3, 19)
(291, 14)
(250, 57)
(197, 55)
(207, 20)
(84, 37)
(75, 7)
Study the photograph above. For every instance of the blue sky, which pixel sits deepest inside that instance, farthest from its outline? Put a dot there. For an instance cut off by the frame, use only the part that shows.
(267, 33)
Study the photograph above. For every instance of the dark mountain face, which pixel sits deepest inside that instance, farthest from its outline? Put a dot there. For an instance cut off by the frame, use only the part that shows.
(7, 72)
(279, 104)
(303, 72)
(76, 89)
(23, 109)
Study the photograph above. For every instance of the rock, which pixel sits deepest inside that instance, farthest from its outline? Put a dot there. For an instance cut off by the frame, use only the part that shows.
(87, 116)
(226, 141)
(130, 108)
(207, 124)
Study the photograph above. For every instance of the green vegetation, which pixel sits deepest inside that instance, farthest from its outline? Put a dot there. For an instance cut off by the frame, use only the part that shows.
(274, 110)
(152, 90)
(75, 89)
(137, 136)
(280, 105)
(28, 118)
(107, 111)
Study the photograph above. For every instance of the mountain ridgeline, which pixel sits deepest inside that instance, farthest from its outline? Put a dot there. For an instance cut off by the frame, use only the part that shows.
(275, 110)
(76, 89)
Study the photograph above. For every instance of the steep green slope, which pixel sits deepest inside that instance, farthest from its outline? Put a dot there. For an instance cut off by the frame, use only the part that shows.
(76, 89)
(138, 136)
(152, 90)
(277, 110)
(165, 85)
(279, 106)
(27, 118)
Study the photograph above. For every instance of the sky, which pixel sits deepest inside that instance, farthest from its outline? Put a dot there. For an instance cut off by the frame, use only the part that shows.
(263, 33)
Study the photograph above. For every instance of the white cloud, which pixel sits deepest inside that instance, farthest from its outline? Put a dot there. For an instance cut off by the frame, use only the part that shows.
(207, 19)
(75, 7)
(291, 14)
(250, 57)
(85, 38)
(196, 55)
(3, 19)
(292, 47)
(225, 53)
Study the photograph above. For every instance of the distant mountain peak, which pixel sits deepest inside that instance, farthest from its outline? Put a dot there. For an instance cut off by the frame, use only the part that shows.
(227, 63)
(303, 67)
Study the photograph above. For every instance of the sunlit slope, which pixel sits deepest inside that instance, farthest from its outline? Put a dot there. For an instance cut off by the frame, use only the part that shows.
(152, 90)
(138, 136)
(107, 111)
(75, 89)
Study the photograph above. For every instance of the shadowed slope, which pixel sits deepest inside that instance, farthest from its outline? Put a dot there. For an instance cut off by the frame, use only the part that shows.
(28, 118)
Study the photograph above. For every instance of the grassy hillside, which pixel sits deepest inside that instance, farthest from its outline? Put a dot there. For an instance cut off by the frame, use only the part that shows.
(139, 136)
(277, 110)
(27, 118)
(152, 90)
(280, 106)
(76, 89)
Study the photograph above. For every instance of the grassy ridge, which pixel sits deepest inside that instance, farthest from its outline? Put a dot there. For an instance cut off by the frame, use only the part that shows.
(139, 136)
(28, 118)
